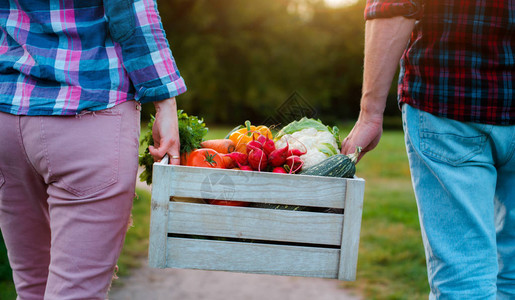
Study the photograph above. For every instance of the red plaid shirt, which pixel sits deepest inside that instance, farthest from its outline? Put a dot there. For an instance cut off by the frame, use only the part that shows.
(460, 61)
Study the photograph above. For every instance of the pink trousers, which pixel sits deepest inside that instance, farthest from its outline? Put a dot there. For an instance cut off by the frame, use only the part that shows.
(66, 191)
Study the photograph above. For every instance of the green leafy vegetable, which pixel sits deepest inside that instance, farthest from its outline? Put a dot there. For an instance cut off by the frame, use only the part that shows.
(192, 131)
(306, 123)
(336, 133)
(327, 149)
(146, 159)
(301, 124)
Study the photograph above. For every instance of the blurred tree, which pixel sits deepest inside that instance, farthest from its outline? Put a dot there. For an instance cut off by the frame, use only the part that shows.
(242, 59)
(343, 58)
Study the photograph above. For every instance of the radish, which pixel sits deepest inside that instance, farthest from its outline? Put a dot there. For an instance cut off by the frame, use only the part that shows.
(278, 156)
(262, 139)
(280, 170)
(239, 158)
(268, 144)
(254, 145)
(246, 168)
(257, 159)
(294, 163)
(296, 152)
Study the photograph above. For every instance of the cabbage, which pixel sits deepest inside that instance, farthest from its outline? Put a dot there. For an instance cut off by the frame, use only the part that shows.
(310, 135)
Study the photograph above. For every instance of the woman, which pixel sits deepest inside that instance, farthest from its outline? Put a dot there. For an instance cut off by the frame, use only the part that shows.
(72, 77)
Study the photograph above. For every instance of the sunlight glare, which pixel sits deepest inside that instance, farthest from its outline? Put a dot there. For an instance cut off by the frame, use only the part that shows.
(339, 3)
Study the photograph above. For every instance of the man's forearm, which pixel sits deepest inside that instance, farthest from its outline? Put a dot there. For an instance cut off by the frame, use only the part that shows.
(385, 41)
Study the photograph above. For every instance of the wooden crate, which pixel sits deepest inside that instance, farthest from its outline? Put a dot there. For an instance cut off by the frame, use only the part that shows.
(255, 240)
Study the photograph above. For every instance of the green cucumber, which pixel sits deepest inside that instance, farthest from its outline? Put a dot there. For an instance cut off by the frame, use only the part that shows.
(338, 165)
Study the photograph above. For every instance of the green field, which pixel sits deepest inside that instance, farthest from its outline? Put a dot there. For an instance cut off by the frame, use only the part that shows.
(391, 262)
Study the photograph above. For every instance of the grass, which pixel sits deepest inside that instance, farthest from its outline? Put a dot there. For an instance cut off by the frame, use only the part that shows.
(136, 240)
(217, 132)
(391, 263)
(7, 290)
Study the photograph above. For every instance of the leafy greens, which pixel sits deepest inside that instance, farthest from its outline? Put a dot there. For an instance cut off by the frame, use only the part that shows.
(192, 131)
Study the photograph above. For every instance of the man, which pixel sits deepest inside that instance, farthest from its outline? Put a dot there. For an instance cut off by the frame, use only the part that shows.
(457, 93)
(69, 74)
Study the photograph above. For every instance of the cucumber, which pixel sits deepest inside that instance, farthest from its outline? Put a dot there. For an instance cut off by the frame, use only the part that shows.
(338, 165)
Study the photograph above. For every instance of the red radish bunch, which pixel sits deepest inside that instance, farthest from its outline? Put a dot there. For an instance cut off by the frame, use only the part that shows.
(263, 156)
(268, 144)
(257, 157)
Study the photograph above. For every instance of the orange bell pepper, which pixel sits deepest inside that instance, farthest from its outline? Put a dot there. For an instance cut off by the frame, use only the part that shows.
(248, 133)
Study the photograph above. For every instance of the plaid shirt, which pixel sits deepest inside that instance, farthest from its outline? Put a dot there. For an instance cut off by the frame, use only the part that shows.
(460, 61)
(59, 57)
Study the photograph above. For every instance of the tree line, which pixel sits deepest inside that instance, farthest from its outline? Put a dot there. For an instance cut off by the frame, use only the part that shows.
(245, 59)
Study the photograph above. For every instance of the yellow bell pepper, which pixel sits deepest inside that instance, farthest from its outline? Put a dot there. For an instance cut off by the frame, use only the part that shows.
(243, 136)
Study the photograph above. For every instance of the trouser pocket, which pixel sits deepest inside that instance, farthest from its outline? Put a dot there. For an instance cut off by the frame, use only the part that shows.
(450, 141)
(82, 152)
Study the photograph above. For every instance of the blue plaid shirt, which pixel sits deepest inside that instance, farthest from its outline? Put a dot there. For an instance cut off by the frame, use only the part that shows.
(59, 57)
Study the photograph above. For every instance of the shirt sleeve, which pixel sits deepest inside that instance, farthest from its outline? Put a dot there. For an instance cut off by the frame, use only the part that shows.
(136, 28)
(377, 9)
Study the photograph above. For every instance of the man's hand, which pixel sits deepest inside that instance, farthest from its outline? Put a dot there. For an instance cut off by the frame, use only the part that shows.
(366, 134)
(385, 41)
(166, 132)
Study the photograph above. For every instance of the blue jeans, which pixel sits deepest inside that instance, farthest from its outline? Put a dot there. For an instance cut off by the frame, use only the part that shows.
(464, 180)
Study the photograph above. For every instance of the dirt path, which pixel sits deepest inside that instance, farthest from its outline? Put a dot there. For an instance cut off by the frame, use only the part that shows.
(170, 284)
(166, 284)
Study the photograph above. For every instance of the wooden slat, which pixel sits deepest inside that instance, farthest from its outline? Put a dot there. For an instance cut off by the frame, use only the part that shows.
(252, 258)
(255, 223)
(351, 230)
(209, 183)
(161, 191)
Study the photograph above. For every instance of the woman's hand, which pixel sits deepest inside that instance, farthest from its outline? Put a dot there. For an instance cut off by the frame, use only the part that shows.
(166, 132)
